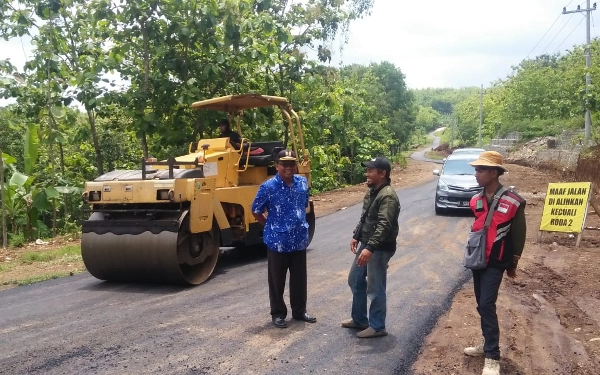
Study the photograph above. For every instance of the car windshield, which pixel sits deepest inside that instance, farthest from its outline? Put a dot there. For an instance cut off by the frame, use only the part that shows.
(461, 167)
(468, 151)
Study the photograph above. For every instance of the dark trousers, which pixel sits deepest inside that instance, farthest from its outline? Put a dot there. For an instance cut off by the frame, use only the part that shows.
(487, 283)
(278, 265)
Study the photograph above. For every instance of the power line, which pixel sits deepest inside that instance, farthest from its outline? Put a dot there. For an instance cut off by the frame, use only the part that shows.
(559, 31)
(564, 40)
(546, 33)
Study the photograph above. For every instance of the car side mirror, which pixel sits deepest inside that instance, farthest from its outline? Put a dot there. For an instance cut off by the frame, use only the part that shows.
(436, 172)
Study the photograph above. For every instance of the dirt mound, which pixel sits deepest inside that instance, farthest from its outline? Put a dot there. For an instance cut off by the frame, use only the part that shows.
(525, 154)
(588, 166)
(443, 147)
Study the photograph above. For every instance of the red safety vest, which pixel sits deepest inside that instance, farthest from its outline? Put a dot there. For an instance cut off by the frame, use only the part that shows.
(498, 250)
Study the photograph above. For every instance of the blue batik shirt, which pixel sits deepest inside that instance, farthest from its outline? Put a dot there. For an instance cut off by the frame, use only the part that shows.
(286, 229)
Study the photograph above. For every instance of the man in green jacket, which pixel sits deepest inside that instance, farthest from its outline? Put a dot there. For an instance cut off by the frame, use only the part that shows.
(376, 232)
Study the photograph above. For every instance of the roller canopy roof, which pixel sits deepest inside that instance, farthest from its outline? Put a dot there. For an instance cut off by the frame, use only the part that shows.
(232, 103)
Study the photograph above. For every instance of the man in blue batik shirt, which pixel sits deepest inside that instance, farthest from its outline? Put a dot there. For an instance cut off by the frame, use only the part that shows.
(285, 198)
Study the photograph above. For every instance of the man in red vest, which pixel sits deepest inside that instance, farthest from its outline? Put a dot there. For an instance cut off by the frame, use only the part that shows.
(505, 242)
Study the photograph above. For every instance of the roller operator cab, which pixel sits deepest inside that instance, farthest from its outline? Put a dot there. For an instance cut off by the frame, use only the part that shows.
(165, 222)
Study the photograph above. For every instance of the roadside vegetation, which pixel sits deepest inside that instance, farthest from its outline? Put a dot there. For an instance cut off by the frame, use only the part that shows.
(35, 263)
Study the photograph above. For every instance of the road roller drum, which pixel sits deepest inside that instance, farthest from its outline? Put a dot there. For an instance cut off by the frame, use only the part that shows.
(165, 256)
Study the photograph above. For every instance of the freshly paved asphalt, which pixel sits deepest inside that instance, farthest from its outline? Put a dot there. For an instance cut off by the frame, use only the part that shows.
(80, 325)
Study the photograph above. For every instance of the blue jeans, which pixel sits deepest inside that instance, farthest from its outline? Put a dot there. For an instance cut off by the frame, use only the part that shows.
(369, 281)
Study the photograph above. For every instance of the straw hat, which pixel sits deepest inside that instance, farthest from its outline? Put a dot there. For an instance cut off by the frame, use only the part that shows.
(489, 159)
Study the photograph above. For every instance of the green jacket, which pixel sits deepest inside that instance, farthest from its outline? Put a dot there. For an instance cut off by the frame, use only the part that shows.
(380, 227)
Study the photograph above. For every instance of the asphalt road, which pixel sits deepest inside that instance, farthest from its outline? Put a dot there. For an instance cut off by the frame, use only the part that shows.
(420, 155)
(80, 325)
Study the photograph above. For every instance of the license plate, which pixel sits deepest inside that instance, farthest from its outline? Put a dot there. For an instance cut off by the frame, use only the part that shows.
(463, 203)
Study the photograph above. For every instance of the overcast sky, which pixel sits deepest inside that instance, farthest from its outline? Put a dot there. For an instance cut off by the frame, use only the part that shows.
(443, 43)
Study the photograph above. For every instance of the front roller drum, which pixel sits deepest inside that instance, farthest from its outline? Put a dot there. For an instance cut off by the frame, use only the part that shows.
(166, 257)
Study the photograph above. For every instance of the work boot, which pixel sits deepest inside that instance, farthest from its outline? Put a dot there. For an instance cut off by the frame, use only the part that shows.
(491, 367)
(475, 351)
(350, 323)
(370, 333)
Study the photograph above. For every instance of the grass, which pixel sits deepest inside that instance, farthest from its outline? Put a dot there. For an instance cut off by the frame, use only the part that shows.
(36, 279)
(6, 267)
(49, 264)
(63, 254)
(434, 155)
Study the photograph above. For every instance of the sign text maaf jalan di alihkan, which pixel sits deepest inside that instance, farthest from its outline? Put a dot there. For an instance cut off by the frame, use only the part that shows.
(565, 207)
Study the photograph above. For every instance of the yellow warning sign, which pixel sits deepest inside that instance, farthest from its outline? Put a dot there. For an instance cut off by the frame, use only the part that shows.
(565, 207)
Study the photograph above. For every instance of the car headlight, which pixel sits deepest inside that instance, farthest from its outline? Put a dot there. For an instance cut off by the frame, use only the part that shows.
(442, 186)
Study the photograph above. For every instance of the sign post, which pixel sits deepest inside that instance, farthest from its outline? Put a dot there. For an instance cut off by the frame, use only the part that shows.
(565, 208)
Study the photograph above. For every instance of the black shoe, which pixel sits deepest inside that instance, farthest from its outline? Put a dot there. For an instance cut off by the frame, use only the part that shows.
(279, 322)
(306, 318)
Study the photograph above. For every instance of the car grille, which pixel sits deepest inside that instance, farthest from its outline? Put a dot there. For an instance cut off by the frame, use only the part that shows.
(474, 189)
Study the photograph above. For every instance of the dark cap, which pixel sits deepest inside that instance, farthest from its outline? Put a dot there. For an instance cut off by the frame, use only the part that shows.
(379, 163)
(284, 155)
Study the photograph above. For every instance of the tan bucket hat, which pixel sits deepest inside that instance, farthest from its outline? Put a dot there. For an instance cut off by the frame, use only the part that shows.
(489, 159)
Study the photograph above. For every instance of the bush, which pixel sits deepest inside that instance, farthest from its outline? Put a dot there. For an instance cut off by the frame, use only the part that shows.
(16, 240)
(530, 129)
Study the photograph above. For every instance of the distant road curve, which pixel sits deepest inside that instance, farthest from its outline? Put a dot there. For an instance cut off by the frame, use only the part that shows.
(420, 155)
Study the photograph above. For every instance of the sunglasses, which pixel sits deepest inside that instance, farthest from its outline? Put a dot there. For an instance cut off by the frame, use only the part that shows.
(482, 169)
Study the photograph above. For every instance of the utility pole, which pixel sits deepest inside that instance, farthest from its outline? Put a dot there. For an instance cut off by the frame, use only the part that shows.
(451, 131)
(588, 64)
(480, 115)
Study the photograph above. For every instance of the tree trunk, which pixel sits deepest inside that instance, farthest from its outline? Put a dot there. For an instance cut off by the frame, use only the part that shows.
(282, 94)
(53, 174)
(146, 85)
(52, 126)
(96, 142)
(4, 232)
(62, 158)
(198, 128)
(144, 145)
(29, 226)
(62, 169)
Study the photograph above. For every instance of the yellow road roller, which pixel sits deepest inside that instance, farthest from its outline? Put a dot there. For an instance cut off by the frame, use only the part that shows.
(166, 222)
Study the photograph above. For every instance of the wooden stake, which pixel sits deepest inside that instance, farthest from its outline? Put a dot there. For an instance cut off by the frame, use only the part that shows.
(578, 238)
(587, 207)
